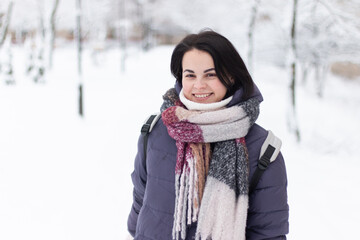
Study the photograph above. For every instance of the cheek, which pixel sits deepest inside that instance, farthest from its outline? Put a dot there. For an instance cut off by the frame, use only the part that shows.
(186, 88)
(220, 89)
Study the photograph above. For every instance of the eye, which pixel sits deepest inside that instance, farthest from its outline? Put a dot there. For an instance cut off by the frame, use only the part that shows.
(190, 75)
(211, 75)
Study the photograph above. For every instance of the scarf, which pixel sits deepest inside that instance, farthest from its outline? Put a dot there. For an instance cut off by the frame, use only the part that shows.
(211, 173)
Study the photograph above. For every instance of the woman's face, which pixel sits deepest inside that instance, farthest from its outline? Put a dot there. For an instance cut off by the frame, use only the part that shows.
(199, 80)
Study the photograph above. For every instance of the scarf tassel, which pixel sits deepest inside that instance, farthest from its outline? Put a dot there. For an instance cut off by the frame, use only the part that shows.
(189, 186)
(222, 215)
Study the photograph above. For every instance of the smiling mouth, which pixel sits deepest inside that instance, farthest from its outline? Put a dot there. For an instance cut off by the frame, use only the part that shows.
(202, 95)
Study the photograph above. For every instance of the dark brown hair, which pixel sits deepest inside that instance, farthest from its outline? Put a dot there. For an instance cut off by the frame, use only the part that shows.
(229, 66)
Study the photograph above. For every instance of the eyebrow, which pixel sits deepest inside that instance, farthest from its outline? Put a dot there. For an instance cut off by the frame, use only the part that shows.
(207, 70)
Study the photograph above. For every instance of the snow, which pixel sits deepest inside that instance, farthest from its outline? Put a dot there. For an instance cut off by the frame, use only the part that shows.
(67, 177)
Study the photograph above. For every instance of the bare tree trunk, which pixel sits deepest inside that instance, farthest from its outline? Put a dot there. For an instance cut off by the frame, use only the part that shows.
(52, 32)
(305, 71)
(145, 22)
(318, 64)
(251, 35)
(292, 118)
(321, 72)
(38, 71)
(6, 72)
(5, 25)
(122, 33)
(79, 51)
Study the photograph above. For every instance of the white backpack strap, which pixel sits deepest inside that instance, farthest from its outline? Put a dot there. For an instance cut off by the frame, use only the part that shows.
(268, 153)
(275, 142)
(158, 115)
(153, 120)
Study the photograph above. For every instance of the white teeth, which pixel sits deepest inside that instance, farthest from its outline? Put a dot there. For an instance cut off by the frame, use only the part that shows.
(202, 95)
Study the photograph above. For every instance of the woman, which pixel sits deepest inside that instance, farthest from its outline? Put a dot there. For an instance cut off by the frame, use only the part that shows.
(203, 151)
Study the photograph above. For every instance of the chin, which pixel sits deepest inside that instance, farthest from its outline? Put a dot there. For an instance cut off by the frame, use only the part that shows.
(203, 101)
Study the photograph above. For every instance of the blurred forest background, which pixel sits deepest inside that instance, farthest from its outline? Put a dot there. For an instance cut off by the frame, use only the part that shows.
(77, 79)
(310, 38)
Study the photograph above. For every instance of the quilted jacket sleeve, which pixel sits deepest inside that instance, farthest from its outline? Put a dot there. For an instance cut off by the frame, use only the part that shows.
(139, 181)
(268, 208)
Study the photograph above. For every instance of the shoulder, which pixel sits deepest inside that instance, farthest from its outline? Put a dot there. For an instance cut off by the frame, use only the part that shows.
(256, 136)
(160, 140)
(158, 130)
(155, 127)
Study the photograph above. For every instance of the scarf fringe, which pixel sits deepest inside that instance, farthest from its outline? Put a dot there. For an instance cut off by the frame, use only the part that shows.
(189, 186)
(222, 216)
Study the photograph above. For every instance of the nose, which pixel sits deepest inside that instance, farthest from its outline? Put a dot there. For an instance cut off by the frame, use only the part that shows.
(199, 83)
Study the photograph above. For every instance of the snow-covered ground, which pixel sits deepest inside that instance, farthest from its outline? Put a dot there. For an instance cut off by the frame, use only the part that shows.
(66, 177)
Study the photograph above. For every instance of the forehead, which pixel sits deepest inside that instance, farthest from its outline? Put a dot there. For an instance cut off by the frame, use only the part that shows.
(197, 59)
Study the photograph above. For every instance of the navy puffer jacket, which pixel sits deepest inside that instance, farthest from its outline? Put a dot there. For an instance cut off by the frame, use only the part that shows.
(151, 216)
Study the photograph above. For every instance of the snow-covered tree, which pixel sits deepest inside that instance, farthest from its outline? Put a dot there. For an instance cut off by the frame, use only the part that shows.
(37, 69)
(79, 54)
(51, 32)
(145, 20)
(122, 32)
(30, 54)
(41, 46)
(6, 63)
(251, 31)
(5, 22)
(292, 114)
(328, 31)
